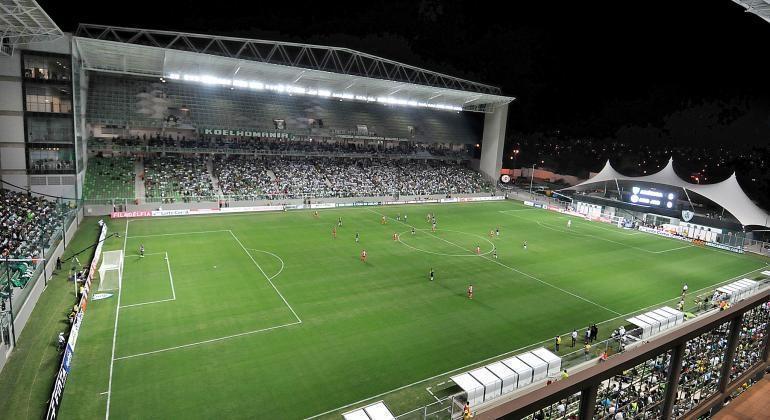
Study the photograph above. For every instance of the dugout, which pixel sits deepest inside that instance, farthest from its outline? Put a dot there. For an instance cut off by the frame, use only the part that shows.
(643, 325)
(678, 315)
(538, 365)
(524, 372)
(376, 411)
(553, 361)
(508, 378)
(738, 290)
(492, 384)
(474, 391)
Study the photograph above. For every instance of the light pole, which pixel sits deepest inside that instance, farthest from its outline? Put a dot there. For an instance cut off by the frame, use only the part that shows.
(531, 178)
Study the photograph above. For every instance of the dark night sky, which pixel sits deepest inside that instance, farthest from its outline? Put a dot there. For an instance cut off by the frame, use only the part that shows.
(585, 68)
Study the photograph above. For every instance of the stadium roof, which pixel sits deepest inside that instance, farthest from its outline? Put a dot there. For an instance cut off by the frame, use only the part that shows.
(348, 73)
(727, 193)
(24, 22)
(760, 8)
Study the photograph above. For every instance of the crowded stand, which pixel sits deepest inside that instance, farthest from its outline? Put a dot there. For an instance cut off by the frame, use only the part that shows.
(339, 177)
(27, 225)
(298, 147)
(169, 178)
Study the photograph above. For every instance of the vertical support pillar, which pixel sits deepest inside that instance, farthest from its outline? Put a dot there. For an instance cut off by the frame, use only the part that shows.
(493, 141)
(732, 343)
(672, 381)
(588, 401)
(766, 354)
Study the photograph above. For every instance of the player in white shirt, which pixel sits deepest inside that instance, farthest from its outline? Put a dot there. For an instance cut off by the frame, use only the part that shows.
(569, 223)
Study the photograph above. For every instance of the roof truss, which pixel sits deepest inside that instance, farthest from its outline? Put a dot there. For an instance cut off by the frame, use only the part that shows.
(329, 59)
(24, 22)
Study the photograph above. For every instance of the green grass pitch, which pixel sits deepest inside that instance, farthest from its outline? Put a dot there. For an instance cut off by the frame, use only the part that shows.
(269, 316)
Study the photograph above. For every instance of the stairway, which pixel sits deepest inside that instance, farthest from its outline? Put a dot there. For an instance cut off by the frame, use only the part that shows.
(138, 182)
(214, 180)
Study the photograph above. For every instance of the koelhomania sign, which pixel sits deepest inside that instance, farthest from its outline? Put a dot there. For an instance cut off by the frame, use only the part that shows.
(244, 133)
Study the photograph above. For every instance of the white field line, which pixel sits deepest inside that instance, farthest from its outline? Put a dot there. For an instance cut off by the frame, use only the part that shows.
(171, 280)
(431, 394)
(586, 235)
(499, 356)
(146, 254)
(146, 303)
(672, 249)
(115, 330)
(179, 233)
(521, 272)
(506, 211)
(269, 280)
(213, 340)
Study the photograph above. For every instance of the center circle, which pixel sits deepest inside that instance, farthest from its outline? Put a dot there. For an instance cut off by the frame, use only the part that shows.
(469, 253)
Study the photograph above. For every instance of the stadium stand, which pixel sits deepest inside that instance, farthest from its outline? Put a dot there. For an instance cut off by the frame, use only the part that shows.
(27, 225)
(338, 177)
(172, 178)
(137, 102)
(109, 177)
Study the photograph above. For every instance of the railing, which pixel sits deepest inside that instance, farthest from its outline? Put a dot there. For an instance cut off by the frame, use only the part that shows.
(421, 155)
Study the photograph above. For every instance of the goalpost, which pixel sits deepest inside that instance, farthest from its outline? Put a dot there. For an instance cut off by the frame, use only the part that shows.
(111, 270)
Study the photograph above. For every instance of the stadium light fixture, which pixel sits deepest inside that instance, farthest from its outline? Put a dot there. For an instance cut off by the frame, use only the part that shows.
(299, 90)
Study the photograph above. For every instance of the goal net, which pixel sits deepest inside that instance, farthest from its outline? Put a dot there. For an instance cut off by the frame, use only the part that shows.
(110, 270)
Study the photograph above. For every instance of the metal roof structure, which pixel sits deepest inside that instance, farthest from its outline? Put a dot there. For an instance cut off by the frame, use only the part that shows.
(24, 22)
(156, 53)
(760, 8)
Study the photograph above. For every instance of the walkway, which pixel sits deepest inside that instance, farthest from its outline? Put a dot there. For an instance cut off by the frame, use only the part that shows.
(752, 404)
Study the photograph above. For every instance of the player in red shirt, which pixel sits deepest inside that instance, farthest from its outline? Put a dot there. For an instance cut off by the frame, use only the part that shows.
(395, 236)
(383, 220)
(363, 255)
(334, 232)
(478, 250)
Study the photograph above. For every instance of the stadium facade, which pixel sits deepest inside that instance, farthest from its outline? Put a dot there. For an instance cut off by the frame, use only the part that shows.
(63, 89)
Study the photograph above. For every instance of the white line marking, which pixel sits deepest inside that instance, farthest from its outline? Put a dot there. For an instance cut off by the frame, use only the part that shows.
(499, 356)
(506, 211)
(115, 331)
(431, 394)
(266, 276)
(171, 280)
(105, 392)
(180, 233)
(672, 249)
(146, 254)
(146, 303)
(444, 254)
(586, 235)
(521, 272)
(170, 277)
(213, 340)
(279, 259)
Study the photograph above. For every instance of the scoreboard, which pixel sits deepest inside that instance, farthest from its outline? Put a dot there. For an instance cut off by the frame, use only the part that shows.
(651, 197)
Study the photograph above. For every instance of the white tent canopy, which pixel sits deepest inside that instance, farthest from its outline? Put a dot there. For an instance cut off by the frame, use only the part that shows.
(727, 193)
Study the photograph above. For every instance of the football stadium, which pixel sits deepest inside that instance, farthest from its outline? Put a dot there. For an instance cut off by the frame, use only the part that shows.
(199, 226)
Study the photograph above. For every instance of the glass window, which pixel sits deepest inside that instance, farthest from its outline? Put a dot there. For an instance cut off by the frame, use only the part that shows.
(51, 158)
(44, 98)
(49, 129)
(46, 68)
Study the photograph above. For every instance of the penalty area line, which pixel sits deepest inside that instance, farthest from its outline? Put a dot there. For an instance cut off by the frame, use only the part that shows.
(213, 340)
